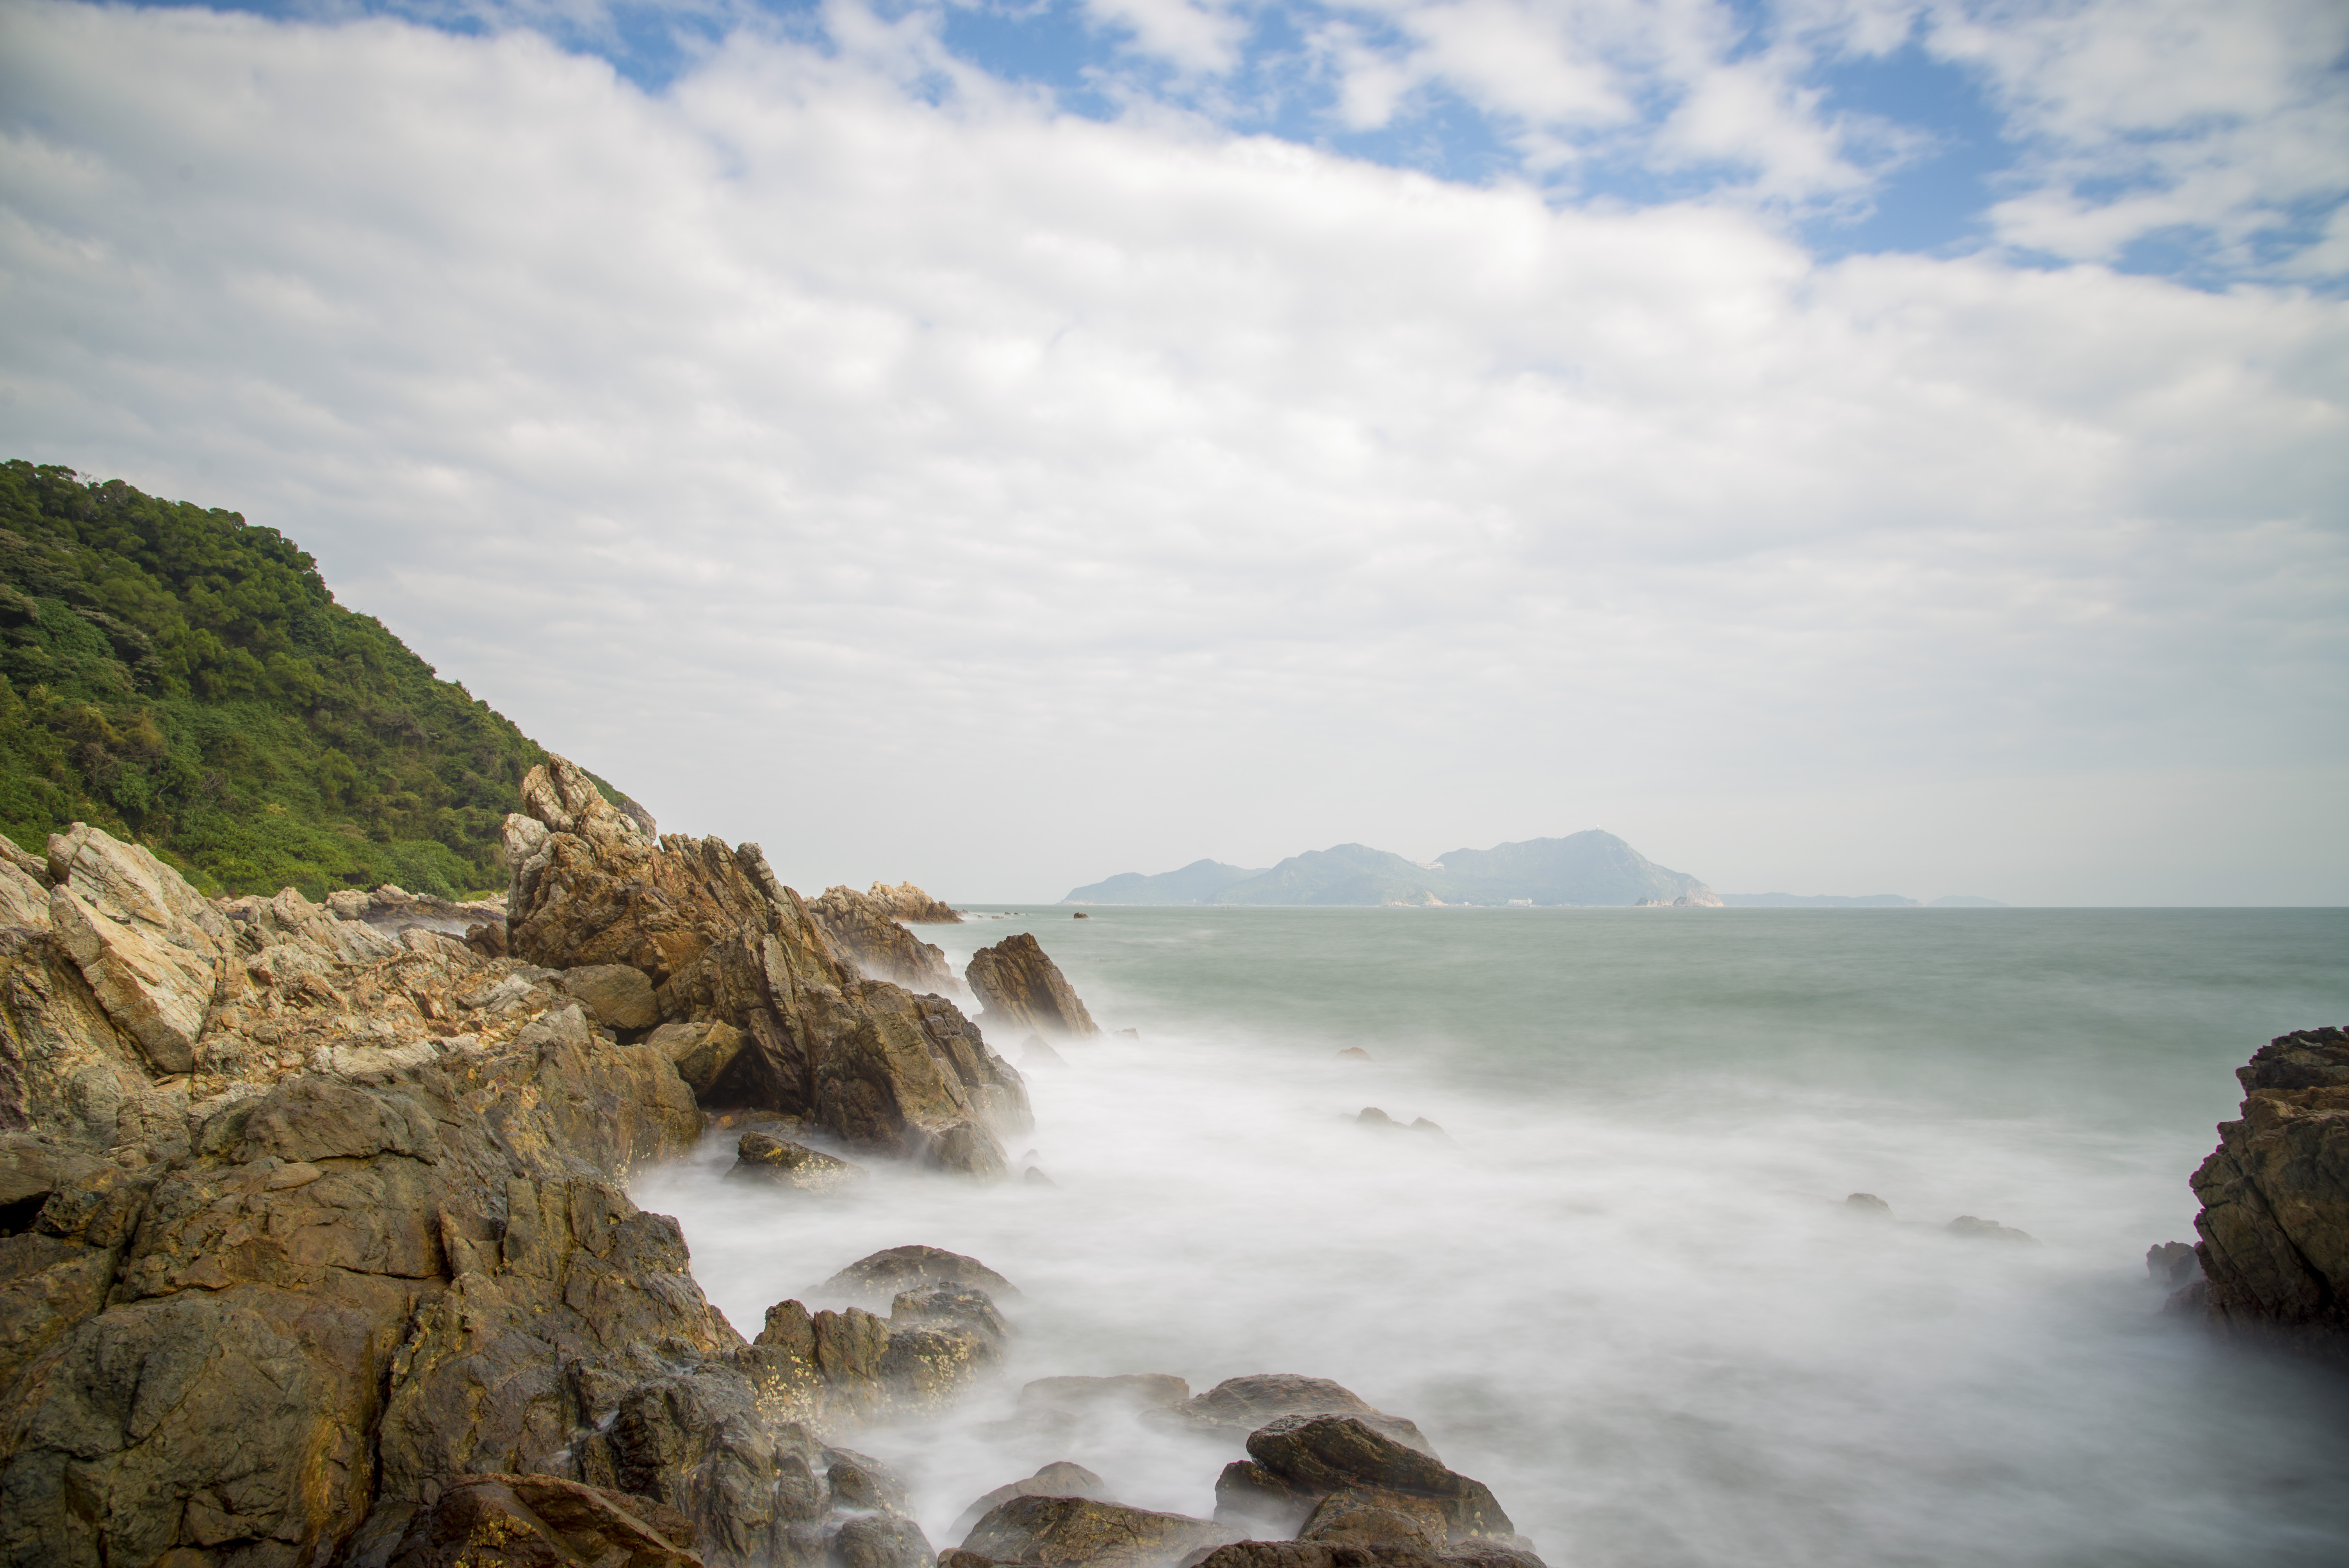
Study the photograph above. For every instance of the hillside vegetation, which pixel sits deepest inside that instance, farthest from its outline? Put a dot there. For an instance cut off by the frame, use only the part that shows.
(174, 675)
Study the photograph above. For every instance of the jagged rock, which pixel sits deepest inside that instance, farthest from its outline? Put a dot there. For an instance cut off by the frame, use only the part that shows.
(1061, 1478)
(885, 1275)
(1297, 1462)
(1240, 1405)
(1034, 1177)
(2275, 1200)
(2172, 1264)
(852, 1366)
(489, 1520)
(147, 943)
(783, 1163)
(858, 1482)
(23, 898)
(616, 993)
(721, 939)
(1024, 992)
(35, 866)
(880, 947)
(906, 901)
(1987, 1230)
(702, 1051)
(1053, 1531)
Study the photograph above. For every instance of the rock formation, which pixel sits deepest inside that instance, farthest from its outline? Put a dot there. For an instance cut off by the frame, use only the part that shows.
(2275, 1202)
(906, 901)
(314, 1245)
(718, 939)
(879, 946)
(1022, 992)
(1063, 1532)
(1299, 1465)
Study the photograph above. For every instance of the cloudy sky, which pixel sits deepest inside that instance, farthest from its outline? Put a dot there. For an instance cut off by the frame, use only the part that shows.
(1839, 445)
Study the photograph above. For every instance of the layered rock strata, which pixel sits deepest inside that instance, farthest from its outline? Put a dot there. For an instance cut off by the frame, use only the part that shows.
(1022, 991)
(2274, 1224)
(718, 939)
(880, 947)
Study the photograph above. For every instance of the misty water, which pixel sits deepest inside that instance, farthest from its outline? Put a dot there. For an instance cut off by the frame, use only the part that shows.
(1622, 1287)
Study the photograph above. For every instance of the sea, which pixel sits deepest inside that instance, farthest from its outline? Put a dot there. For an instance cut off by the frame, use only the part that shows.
(1599, 1250)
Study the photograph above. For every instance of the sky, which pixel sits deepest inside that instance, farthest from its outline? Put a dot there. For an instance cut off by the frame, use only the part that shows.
(1840, 446)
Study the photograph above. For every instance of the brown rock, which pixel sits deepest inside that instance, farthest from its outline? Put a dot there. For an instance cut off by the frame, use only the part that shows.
(1351, 1554)
(783, 1163)
(881, 1540)
(1241, 1404)
(1061, 1478)
(1374, 1516)
(1024, 992)
(880, 947)
(701, 1051)
(1315, 1456)
(885, 1275)
(493, 1521)
(1051, 1532)
(619, 995)
(906, 901)
(2275, 1200)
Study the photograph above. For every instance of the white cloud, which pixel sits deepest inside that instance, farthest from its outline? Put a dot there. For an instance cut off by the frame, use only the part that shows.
(955, 491)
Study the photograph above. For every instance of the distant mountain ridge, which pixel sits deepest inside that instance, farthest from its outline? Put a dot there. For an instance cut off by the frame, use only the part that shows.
(1846, 901)
(1590, 867)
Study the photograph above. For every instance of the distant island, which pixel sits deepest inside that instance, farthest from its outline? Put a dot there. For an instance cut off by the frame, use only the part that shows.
(1585, 868)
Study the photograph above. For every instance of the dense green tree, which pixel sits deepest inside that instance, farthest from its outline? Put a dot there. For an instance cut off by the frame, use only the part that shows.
(175, 674)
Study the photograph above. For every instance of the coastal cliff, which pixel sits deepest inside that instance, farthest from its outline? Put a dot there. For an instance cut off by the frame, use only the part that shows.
(2275, 1202)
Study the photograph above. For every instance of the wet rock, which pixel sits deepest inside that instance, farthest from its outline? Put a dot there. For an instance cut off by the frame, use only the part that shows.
(489, 1520)
(860, 1482)
(959, 1304)
(1987, 1230)
(908, 902)
(1374, 1516)
(1312, 1456)
(617, 995)
(1351, 1554)
(2172, 1264)
(881, 1540)
(1061, 1478)
(1024, 992)
(885, 1275)
(879, 946)
(1054, 1531)
(1240, 1405)
(2275, 1202)
(851, 1367)
(783, 1163)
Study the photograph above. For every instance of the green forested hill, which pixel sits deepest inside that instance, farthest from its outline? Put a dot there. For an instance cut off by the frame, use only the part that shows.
(173, 674)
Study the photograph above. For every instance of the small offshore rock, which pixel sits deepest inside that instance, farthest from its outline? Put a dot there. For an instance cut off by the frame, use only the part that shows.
(1354, 1053)
(1060, 1531)
(1316, 1456)
(1034, 1177)
(1081, 915)
(1988, 1230)
(1241, 1404)
(780, 1163)
(885, 1275)
(1868, 1206)
(1061, 1478)
(1024, 992)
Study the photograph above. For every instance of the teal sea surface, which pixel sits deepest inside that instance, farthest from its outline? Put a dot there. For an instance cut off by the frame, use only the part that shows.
(1618, 1279)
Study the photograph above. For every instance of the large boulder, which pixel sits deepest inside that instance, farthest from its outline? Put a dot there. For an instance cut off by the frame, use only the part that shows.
(885, 1275)
(1059, 1532)
(1023, 993)
(1061, 1478)
(147, 943)
(2275, 1202)
(1238, 1406)
(879, 946)
(719, 939)
(1297, 1463)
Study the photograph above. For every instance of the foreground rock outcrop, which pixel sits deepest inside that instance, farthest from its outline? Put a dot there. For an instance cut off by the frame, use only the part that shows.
(718, 939)
(2274, 1224)
(315, 1245)
(1022, 992)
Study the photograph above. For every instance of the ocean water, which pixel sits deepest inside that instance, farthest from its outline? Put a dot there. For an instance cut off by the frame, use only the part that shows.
(1620, 1285)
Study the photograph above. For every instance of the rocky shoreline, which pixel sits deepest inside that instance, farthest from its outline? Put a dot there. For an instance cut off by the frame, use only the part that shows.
(317, 1248)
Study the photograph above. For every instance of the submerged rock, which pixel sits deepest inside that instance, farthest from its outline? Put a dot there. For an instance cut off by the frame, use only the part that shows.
(2172, 1264)
(2275, 1202)
(1241, 1404)
(883, 1275)
(1023, 993)
(1988, 1230)
(779, 1162)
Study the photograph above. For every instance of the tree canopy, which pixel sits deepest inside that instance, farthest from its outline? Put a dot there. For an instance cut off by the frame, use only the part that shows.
(173, 674)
